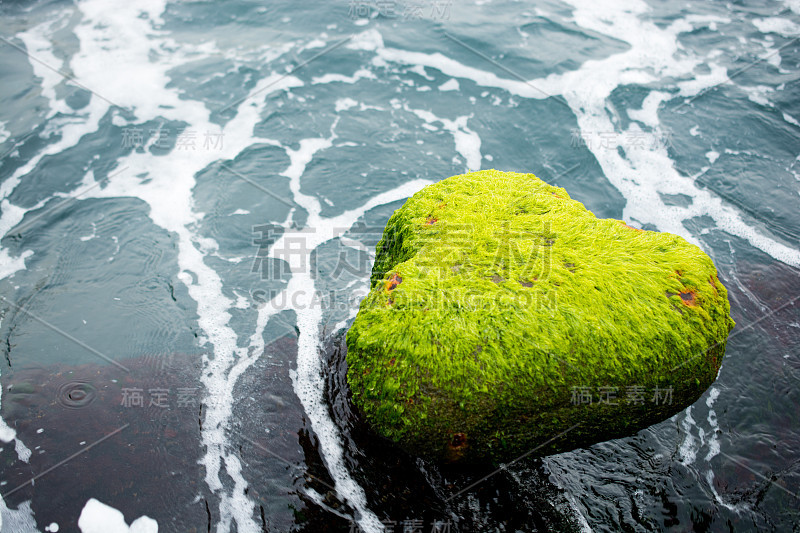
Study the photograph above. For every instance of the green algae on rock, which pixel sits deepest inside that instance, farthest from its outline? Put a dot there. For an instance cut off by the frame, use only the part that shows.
(505, 318)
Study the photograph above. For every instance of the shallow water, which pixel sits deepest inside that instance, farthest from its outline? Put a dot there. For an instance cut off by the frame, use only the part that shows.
(191, 196)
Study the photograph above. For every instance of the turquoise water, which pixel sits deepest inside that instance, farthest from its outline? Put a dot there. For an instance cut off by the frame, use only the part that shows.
(191, 196)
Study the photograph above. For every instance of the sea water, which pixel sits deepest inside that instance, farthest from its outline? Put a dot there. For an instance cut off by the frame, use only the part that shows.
(190, 200)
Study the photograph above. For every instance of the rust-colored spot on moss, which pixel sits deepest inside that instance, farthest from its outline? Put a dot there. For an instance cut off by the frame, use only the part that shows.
(456, 448)
(689, 297)
(393, 282)
(712, 280)
(458, 440)
(391, 361)
(430, 221)
(441, 205)
(631, 227)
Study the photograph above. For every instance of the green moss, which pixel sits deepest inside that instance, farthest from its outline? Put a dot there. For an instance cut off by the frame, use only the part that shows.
(494, 295)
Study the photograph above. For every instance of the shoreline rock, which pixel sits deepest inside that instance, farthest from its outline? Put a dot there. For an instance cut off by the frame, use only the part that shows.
(505, 319)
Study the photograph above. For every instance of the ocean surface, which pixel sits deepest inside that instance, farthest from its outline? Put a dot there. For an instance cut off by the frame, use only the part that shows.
(190, 197)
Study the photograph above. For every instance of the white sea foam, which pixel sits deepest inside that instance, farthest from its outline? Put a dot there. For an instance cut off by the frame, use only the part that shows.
(781, 26)
(691, 445)
(419, 69)
(714, 450)
(450, 85)
(332, 77)
(700, 21)
(71, 133)
(97, 517)
(315, 43)
(467, 142)
(758, 94)
(648, 114)
(369, 40)
(735, 507)
(688, 448)
(19, 520)
(46, 65)
(456, 69)
(7, 434)
(343, 104)
(713, 440)
(790, 119)
(23, 452)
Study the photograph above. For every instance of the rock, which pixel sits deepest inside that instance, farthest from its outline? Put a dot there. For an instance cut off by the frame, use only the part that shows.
(504, 319)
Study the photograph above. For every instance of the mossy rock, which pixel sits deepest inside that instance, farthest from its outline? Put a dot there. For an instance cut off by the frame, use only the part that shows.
(504, 318)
